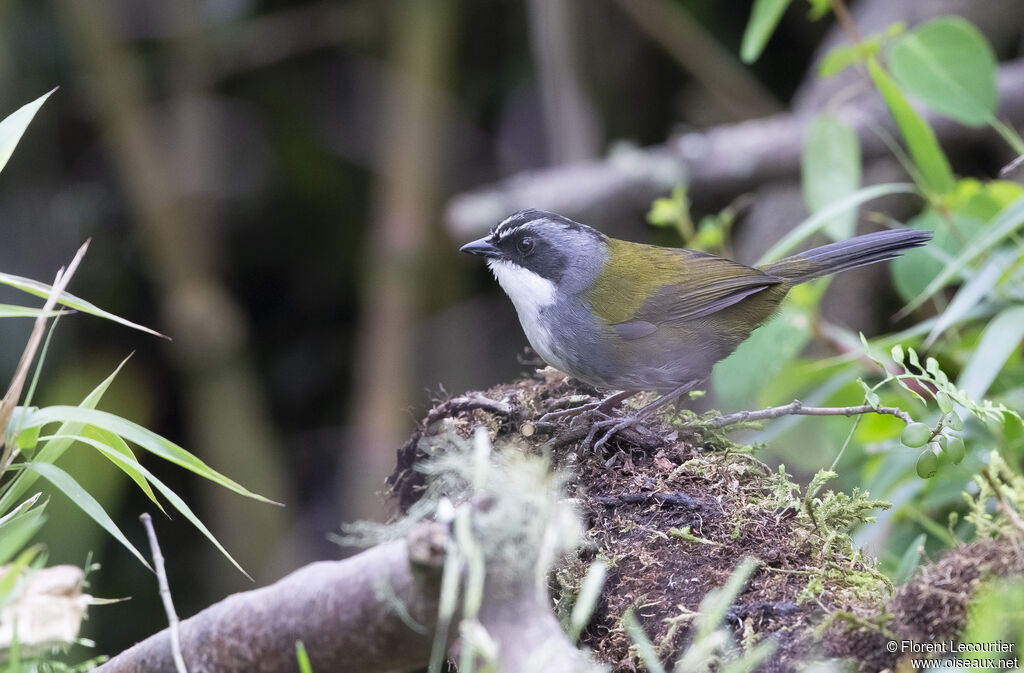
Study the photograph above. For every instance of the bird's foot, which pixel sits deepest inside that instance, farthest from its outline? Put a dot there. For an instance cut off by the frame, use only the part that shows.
(601, 408)
(607, 428)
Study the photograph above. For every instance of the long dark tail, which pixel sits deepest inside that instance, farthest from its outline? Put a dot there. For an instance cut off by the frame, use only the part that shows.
(848, 254)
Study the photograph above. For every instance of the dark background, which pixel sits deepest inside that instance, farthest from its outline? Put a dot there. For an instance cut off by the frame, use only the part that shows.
(265, 183)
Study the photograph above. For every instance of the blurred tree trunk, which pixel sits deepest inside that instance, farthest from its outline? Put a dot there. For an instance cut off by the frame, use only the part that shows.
(226, 414)
(407, 199)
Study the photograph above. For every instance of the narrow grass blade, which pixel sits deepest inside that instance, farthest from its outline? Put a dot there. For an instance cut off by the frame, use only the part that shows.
(14, 125)
(84, 500)
(38, 289)
(816, 222)
(1005, 223)
(14, 311)
(145, 439)
(117, 444)
(173, 498)
(17, 529)
(56, 448)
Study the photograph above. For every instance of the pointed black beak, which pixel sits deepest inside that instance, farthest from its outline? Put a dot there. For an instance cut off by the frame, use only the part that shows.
(481, 247)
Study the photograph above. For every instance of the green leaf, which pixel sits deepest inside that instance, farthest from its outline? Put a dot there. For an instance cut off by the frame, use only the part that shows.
(840, 58)
(764, 17)
(949, 65)
(973, 292)
(12, 128)
(830, 171)
(644, 647)
(18, 527)
(146, 439)
(126, 463)
(815, 222)
(1000, 339)
(56, 448)
(913, 270)
(935, 172)
(12, 311)
(1009, 220)
(38, 289)
(115, 443)
(13, 572)
(84, 500)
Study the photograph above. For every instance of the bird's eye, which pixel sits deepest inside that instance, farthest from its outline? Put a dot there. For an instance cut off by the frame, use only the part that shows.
(525, 245)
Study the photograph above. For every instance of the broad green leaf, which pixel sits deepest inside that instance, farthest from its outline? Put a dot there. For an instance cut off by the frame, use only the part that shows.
(935, 172)
(1009, 220)
(772, 346)
(764, 17)
(831, 171)
(84, 500)
(38, 289)
(18, 527)
(126, 463)
(973, 292)
(815, 222)
(117, 444)
(140, 436)
(56, 448)
(949, 65)
(1001, 338)
(12, 128)
(12, 311)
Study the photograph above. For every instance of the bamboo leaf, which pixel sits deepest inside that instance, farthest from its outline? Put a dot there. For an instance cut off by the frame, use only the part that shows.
(123, 461)
(14, 125)
(140, 436)
(84, 500)
(38, 289)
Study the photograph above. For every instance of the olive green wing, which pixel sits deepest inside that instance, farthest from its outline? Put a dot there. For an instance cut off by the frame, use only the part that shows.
(666, 286)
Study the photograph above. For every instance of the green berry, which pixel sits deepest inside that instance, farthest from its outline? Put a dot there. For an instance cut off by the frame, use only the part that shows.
(915, 435)
(955, 450)
(941, 440)
(945, 403)
(927, 465)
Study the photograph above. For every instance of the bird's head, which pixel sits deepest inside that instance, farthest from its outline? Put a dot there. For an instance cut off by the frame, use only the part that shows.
(536, 254)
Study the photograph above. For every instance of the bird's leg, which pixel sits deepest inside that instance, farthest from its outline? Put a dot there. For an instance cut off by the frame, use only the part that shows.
(614, 425)
(601, 406)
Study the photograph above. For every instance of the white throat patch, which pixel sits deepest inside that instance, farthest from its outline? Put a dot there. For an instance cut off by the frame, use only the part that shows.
(529, 293)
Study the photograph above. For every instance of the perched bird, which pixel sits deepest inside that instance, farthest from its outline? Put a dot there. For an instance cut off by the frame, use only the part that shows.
(632, 317)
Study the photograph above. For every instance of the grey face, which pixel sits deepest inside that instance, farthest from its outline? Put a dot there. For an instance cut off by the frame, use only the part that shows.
(557, 249)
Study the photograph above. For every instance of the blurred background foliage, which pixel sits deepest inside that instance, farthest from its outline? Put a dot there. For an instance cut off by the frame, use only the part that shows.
(266, 183)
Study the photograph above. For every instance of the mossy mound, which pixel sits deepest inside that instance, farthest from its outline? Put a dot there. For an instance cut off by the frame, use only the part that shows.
(673, 507)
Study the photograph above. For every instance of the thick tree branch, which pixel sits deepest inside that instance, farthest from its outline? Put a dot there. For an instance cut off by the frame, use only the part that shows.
(716, 163)
(336, 608)
(377, 611)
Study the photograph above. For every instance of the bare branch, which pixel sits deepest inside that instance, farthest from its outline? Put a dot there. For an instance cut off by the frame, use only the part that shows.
(716, 163)
(165, 593)
(797, 408)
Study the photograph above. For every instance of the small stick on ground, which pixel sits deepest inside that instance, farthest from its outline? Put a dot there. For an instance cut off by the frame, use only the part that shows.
(797, 408)
(165, 593)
